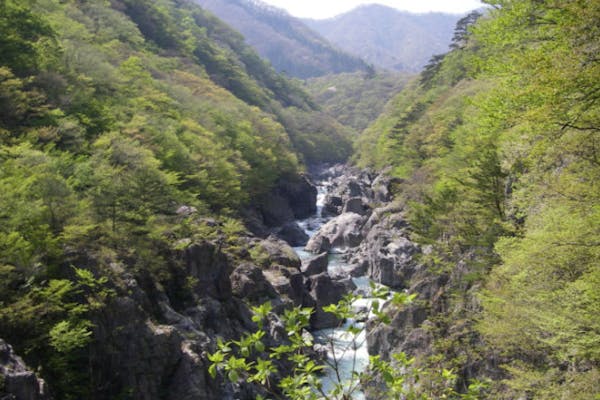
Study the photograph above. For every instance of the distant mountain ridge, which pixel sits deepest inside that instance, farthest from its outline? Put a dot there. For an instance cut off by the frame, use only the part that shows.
(284, 40)
(389, 38)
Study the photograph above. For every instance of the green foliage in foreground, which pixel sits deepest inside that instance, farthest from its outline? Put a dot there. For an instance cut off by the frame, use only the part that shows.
(497, 146)
(288, 371)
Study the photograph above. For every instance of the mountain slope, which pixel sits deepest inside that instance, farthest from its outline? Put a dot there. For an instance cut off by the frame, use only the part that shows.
(388, 38)
(496, 151)
(285, 41)
(133, 135)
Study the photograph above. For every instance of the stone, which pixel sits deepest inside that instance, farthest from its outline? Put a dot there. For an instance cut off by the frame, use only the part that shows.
(210, 268)
(19, 382)
(316, 265)
(275, 251)
(293, 234)
(325, 291)
(248, 282)
(355, 205)
(318, 244)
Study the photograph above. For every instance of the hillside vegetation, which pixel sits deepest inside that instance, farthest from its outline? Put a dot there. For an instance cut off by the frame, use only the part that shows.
(496, 145)
(356, 99)
(290, 46)
(114, 115)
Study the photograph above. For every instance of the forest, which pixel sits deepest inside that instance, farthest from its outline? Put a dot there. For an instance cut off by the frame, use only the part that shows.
(116, 115)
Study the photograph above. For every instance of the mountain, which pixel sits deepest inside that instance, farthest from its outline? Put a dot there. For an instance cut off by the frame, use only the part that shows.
(285, 41)
(134, 137)
(388, 38)
(495, 148)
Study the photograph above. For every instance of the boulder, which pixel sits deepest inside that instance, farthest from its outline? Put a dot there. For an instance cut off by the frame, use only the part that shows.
(19, 382)
(316, 265)
(248, 282)
(342, 231)
(318, 244)
(276, 210)
(332, 205)
(392, 263)
(274, 251)
(301, 195)
(355, 205)
(293, 234)
(325, 291)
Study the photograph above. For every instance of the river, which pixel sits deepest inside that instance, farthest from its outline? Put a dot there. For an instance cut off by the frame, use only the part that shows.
(347, 351)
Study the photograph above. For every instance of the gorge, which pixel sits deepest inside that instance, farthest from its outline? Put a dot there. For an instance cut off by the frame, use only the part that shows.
(178, 220)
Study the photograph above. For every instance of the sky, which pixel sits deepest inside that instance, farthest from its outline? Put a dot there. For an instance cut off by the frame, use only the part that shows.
(329, 8)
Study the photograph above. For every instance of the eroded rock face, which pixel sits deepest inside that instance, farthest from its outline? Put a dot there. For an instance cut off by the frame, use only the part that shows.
(249, 282)
(292, 198)
(275, 251)
(210, 268)
(325, 291)
(16, 380)
(344, 230)
(293, 234)
(316, 265)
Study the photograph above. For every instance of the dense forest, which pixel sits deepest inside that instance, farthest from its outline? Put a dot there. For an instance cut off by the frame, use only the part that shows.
(496, 145)
(136, 135)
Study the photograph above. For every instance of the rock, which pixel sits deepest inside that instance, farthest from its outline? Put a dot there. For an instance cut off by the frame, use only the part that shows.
(186, 211)
(16, 380)
(325, 291)
(301, 195)
(210, 268)
(293, 234)
(316, 265)
(392, 264)
(318, 244)
(275, 251)
(292, 198)
(342, 231)
(276, 210)
(332, 205)
(355, 205)
(248, 282)
(389, 339)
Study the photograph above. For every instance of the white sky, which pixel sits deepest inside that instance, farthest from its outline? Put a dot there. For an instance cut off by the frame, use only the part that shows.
(328, 8)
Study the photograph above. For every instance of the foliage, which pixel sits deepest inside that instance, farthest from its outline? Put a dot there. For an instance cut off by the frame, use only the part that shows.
(355, 99)
(115, 115)
(497, 151)
(288, 370)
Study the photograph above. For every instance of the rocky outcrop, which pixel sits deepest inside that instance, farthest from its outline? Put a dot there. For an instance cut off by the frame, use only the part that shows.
(293, 234)
(292, 198)
(249, 282)
(344, 230)
(316, 265)
(17, 382)
(325, 291)
(274, 251)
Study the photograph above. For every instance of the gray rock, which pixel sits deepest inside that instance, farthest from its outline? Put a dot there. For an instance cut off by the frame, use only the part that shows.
(318, 244)
(316, 265)
(20, 383)
(275, 251)
(209, 266)
(325, 291)
(342, 231)
(248, 282)
(293, 234)
(355, 205)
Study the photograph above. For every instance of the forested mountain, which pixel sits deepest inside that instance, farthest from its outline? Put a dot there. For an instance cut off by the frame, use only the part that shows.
(388, 38)
(356, 99)
(496, 149)
(285, 41)
(124, 123)
(149, 158)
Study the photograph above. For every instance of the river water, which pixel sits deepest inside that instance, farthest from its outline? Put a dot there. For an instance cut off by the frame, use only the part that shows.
(348, 352)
